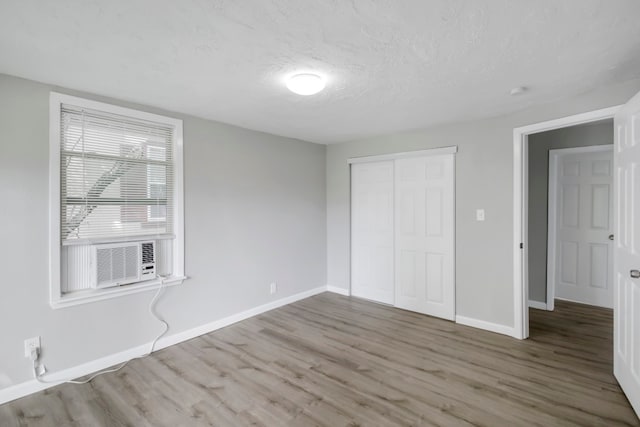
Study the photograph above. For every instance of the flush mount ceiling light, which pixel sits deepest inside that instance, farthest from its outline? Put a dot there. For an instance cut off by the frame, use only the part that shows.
(305, 84)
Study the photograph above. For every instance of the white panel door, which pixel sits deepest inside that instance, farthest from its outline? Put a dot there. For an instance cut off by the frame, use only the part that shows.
(372, 231)
(626, 305)
(424, 245)
(581, 252)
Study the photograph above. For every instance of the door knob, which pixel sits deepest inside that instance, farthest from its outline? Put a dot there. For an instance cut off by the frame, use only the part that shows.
(635, 274)
(610, 236)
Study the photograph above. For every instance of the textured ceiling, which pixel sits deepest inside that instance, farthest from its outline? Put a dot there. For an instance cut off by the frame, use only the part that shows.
(391, 65)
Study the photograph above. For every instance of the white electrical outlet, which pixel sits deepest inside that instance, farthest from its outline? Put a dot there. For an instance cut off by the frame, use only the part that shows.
(30, 345)
(479, 214)
(273, 288)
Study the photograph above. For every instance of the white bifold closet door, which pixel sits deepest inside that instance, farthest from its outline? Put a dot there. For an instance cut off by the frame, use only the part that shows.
(372, 231)
(402, 239)
(424, 236)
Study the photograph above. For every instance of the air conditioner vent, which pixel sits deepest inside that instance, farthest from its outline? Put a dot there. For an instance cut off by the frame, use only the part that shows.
(148, 264)
(122, 263)
(148, 253)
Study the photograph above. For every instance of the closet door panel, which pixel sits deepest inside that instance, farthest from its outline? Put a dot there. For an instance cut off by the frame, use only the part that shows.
(372, 229)
(424, 238)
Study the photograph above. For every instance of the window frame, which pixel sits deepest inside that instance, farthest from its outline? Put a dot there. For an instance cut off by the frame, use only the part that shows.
(56, 298)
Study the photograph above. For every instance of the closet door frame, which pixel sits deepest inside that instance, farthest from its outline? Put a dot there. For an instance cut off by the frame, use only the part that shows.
(385, 157)
(404, 155)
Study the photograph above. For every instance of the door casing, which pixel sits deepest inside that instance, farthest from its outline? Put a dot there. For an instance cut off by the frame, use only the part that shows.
(520, 208)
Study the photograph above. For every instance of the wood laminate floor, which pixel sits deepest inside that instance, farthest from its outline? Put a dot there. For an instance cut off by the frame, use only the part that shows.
(333, 361)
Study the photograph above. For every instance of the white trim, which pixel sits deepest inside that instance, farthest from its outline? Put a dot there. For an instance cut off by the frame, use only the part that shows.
(552, 196)
(178, 199)
(521, 315)
(552, 220)
(538, 305)
(229, 320)
(525, 247)
(520, 282)
(108, 293)
(139, 238)
(404, 155)
(33, 386)
(337, 290)
(61, 98)
(487, 326)
(56, 299)
(585, 149)
(351, 230)
(54, 198)
(574, 120)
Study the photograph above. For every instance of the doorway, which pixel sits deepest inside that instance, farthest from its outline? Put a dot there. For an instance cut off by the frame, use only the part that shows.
(626, 253)
(570, 211)
(521, 236)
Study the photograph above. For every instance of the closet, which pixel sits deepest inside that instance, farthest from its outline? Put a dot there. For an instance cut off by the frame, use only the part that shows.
(403, 230)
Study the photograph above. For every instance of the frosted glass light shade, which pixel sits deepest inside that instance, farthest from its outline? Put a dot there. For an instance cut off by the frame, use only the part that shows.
(305, 84)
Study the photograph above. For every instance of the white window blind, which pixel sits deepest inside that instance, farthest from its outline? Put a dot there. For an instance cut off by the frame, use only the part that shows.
(116, 176)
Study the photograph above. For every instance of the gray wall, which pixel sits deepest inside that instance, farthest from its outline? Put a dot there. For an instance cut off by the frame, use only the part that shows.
(599, 133)
(484, 179)
(255, 213)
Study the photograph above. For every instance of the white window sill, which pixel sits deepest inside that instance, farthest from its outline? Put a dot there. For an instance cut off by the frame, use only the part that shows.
(93, 295)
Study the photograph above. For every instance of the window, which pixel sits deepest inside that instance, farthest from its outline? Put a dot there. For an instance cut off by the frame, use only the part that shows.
(156, 185)
(116, 177)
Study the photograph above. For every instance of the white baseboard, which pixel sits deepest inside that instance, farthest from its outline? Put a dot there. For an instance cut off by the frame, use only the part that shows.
(210, 327)
(32, 386)
(538, 305)
(337, 290)
(487, 326)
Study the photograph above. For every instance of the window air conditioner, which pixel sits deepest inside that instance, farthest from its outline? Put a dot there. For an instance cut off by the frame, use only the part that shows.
(116, 264)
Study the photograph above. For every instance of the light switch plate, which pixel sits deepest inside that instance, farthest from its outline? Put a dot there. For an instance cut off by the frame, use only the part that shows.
(479, 214)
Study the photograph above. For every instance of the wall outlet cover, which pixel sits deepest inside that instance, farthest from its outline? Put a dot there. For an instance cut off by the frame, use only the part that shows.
(30, 345)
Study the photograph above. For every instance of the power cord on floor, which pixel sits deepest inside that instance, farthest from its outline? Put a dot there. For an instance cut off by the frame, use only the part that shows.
(35, 355)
